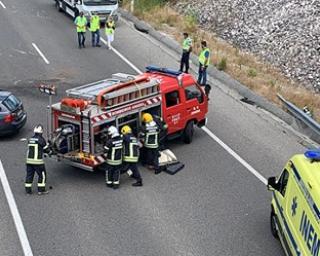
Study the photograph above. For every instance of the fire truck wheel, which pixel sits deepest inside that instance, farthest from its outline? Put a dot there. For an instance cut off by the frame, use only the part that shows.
(188, 133)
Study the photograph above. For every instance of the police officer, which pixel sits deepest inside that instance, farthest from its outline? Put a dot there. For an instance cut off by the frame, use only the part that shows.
(95, 29)
(150, 135)
(204, 61)
(37, 145)
(131, 155)
(81, 24)
(186, 50)
(113, 146)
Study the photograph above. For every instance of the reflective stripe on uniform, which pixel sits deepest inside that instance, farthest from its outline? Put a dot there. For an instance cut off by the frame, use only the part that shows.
(43, 183)
(151, 145)
(33, 159)
(28, 185)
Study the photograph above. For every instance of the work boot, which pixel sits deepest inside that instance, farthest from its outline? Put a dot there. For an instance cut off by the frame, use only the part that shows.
(109, 185)
(98, 45)
(137, 184)
(157, 171)
(43, 192)
(116, 186)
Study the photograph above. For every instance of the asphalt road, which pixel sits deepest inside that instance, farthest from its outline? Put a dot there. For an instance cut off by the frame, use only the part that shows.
(215, 206)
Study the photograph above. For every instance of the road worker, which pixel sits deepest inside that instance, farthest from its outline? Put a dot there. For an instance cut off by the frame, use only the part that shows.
(110, 28)
(150, 135)
(37, 146)
(113, 146)
(95, 29)
(204, 61)
(131, 155)
(186, 50)
(81, 24)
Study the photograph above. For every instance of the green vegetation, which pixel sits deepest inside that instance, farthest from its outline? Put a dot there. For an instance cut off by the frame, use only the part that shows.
(252, 72)
(222, 64)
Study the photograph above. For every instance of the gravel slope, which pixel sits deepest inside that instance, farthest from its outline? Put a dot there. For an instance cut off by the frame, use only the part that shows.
(283, 32)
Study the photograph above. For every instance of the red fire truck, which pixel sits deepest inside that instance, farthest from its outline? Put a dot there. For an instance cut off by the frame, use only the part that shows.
(80, 121)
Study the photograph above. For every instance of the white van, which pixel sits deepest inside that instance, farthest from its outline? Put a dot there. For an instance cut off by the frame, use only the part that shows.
(103, 8)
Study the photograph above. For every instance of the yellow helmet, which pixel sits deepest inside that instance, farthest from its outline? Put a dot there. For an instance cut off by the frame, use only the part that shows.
(126, 129)
(147, 118)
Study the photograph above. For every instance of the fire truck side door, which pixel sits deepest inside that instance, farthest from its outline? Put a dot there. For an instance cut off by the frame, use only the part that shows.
(174, 112)
(194, 101)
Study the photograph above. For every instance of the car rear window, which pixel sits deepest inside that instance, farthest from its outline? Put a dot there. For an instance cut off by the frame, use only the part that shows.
(11, 103)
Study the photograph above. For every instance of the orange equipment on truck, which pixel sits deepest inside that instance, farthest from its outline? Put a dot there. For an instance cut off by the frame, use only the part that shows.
(80, 120)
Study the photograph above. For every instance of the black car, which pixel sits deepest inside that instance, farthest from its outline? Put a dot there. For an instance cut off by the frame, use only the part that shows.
(12, 115)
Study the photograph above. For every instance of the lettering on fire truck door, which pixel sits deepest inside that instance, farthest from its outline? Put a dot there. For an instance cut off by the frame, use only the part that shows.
(174, 112)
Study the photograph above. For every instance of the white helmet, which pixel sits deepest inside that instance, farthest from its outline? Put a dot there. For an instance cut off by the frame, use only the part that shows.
(38, 129)
(113, 131)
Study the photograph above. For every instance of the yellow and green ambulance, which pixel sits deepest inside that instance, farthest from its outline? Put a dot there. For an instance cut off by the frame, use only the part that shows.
(295, 206)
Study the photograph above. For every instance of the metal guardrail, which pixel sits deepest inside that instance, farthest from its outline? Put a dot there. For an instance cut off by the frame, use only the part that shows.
(301, 115)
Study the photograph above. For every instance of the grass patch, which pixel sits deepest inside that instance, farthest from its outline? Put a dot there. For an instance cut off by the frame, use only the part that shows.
(245, 67)
(222, 64)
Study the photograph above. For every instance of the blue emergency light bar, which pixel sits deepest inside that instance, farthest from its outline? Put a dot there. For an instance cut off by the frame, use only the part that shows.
(313, 154)
(166, 71)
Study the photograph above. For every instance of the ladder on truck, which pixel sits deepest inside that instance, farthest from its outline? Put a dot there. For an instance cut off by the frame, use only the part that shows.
(85, 133)
(119, 90)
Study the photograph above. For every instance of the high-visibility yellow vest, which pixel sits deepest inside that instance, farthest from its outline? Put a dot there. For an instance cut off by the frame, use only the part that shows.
(110, 27)
(202, 57)
(81, 23)
(187, 43)
(94, 23)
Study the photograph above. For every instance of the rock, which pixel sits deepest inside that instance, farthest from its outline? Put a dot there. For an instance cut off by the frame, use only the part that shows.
(284, 33)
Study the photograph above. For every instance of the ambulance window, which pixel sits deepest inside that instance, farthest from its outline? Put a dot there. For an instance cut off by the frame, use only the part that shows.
(193, 92)
(172, 99)
(283, 181)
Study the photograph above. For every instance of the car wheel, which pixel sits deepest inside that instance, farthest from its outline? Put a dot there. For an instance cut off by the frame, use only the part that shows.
(58, 6)
(273, 225)
(188, 132)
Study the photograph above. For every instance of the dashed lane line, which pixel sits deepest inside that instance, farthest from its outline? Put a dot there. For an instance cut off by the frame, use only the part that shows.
(40, 53)
(2, 4)
(205, 129)
(15, 213)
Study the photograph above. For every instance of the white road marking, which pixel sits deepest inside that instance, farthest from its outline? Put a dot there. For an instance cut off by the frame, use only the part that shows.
(3, 6)
(15, 213)
(235, 155)
(122, 57)
(206, 130)
(41, 54)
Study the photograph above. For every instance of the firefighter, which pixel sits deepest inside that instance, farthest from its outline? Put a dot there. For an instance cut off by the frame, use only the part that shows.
(131, 155)
(150, 135)
(113, 147)
(37, 145)
(163, 131)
